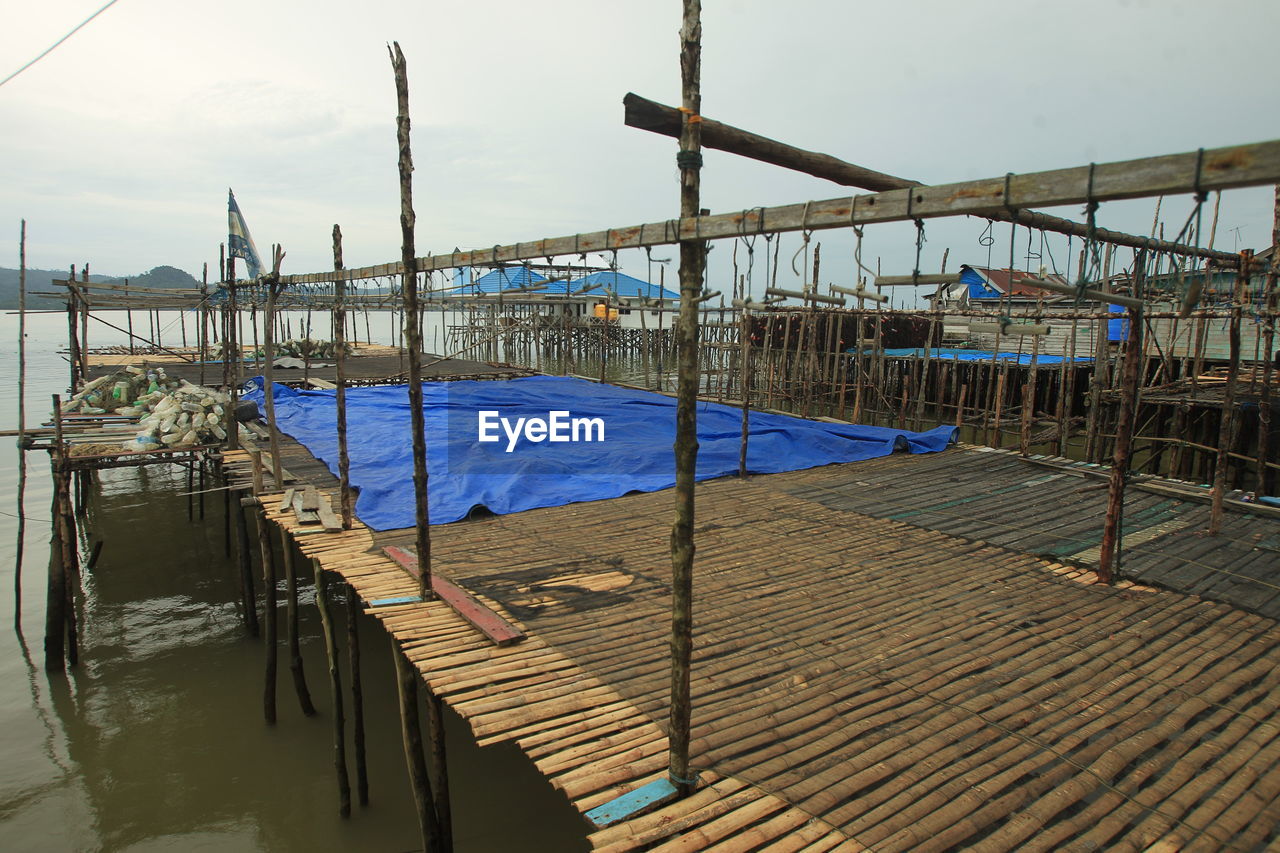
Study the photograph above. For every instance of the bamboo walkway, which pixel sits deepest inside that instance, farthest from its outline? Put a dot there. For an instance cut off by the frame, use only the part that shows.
(859, 682)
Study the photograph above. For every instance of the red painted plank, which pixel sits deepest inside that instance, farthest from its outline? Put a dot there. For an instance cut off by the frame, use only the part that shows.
(489, 623)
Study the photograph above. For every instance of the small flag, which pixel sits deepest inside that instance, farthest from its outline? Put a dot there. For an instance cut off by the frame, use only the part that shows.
(238, 240)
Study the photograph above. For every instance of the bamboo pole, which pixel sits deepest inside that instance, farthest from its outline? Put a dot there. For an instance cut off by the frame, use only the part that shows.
(357, 695)
(1268, 356)
(410, 333)
(335, 689)
(744, 380)
(340, 361)
(269, 615)
(22, 426)
(692, 263)
(1112, 529)
(55, 628)
(440, 817)
(1229, 423)
(411, 732)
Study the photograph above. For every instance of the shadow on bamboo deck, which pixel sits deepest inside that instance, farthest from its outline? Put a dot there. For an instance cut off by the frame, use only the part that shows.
(859, 681)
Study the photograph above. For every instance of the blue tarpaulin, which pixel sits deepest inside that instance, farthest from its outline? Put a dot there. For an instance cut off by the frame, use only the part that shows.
(979, 355)
(635, 454)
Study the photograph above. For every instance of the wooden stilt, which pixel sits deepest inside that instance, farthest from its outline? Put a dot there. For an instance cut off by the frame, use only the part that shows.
(411, 730)
(1112, 529)
(269, 617)
(340, 359)
(357, 694)
(335, 690)
(22, 426)
(291, 630)
(1263, 476)
(1230, 418)
(412, 333)
(692, 263)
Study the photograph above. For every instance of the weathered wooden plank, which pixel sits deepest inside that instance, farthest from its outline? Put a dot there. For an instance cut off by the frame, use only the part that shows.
(1216, 169)
(492, 625)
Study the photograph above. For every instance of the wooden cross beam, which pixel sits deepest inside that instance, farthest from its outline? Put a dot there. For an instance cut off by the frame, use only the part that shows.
(649, 115)
(1172, 174)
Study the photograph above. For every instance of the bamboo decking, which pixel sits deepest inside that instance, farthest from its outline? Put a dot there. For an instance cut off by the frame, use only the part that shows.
(859, 682)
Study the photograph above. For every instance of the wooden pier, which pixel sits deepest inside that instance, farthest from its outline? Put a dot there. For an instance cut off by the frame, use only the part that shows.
(901, 654)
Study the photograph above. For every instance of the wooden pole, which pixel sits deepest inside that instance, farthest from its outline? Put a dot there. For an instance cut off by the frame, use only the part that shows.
(410, 334)
(658, 118)
(411, 732)
(1268, 356)
(340, 363)
(1230, 418)
(357, 694)
(692, 263)
(55, 614)
(22, 425)
(335, 690)
(744, 380)
(269, 616)
(1112, 528)
(440, 817)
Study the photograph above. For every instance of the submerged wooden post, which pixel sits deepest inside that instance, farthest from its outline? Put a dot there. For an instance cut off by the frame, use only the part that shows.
(692, 264)
(22, 425)
(411, 731)
(277, 474)
(55, 614)
(1112, 528)
(357, 694)
(269, 617)
(335, 690)
(340, 365)
(1230, 418)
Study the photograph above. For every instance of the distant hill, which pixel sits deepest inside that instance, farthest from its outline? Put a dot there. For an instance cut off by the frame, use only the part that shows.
(41, 280)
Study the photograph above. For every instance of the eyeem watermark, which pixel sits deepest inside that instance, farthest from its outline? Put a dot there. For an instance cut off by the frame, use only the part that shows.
(557, 426)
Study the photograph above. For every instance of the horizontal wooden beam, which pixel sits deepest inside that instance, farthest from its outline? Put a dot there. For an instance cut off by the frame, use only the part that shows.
(659, 118)
(1172, 174)
(645, 114)
(913, 280)
(489, 623)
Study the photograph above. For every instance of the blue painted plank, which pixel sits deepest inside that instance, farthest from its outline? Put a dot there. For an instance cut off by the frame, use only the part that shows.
(387, 602)
(641, 799)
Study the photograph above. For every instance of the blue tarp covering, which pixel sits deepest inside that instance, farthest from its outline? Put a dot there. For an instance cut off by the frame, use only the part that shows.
(635, 455)
(979, 355)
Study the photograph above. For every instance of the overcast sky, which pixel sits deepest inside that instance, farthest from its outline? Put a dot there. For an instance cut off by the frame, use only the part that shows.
(119, 146)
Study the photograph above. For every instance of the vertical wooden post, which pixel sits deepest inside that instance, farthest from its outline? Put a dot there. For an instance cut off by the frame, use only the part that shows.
(692, 263)
(412, 335)
(340, 361)
(73, 345)
(357, 694)
(411, 731)
(744, 379)
(277, 474)
(335, 690)
(55, 613)
(204, 320)
(269, 617)
(22, 425)
(1229, 423)
(244, 561)
(1268, 357)
(84, 324)
(1112, 526)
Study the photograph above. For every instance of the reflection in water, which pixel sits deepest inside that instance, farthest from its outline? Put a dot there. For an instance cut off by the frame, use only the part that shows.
(156, 742)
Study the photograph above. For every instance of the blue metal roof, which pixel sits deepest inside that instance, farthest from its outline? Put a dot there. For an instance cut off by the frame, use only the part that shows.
(620, 283)
(501, 280)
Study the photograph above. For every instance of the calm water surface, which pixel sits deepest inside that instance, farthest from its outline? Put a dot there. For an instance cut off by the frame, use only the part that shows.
(156, 741)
